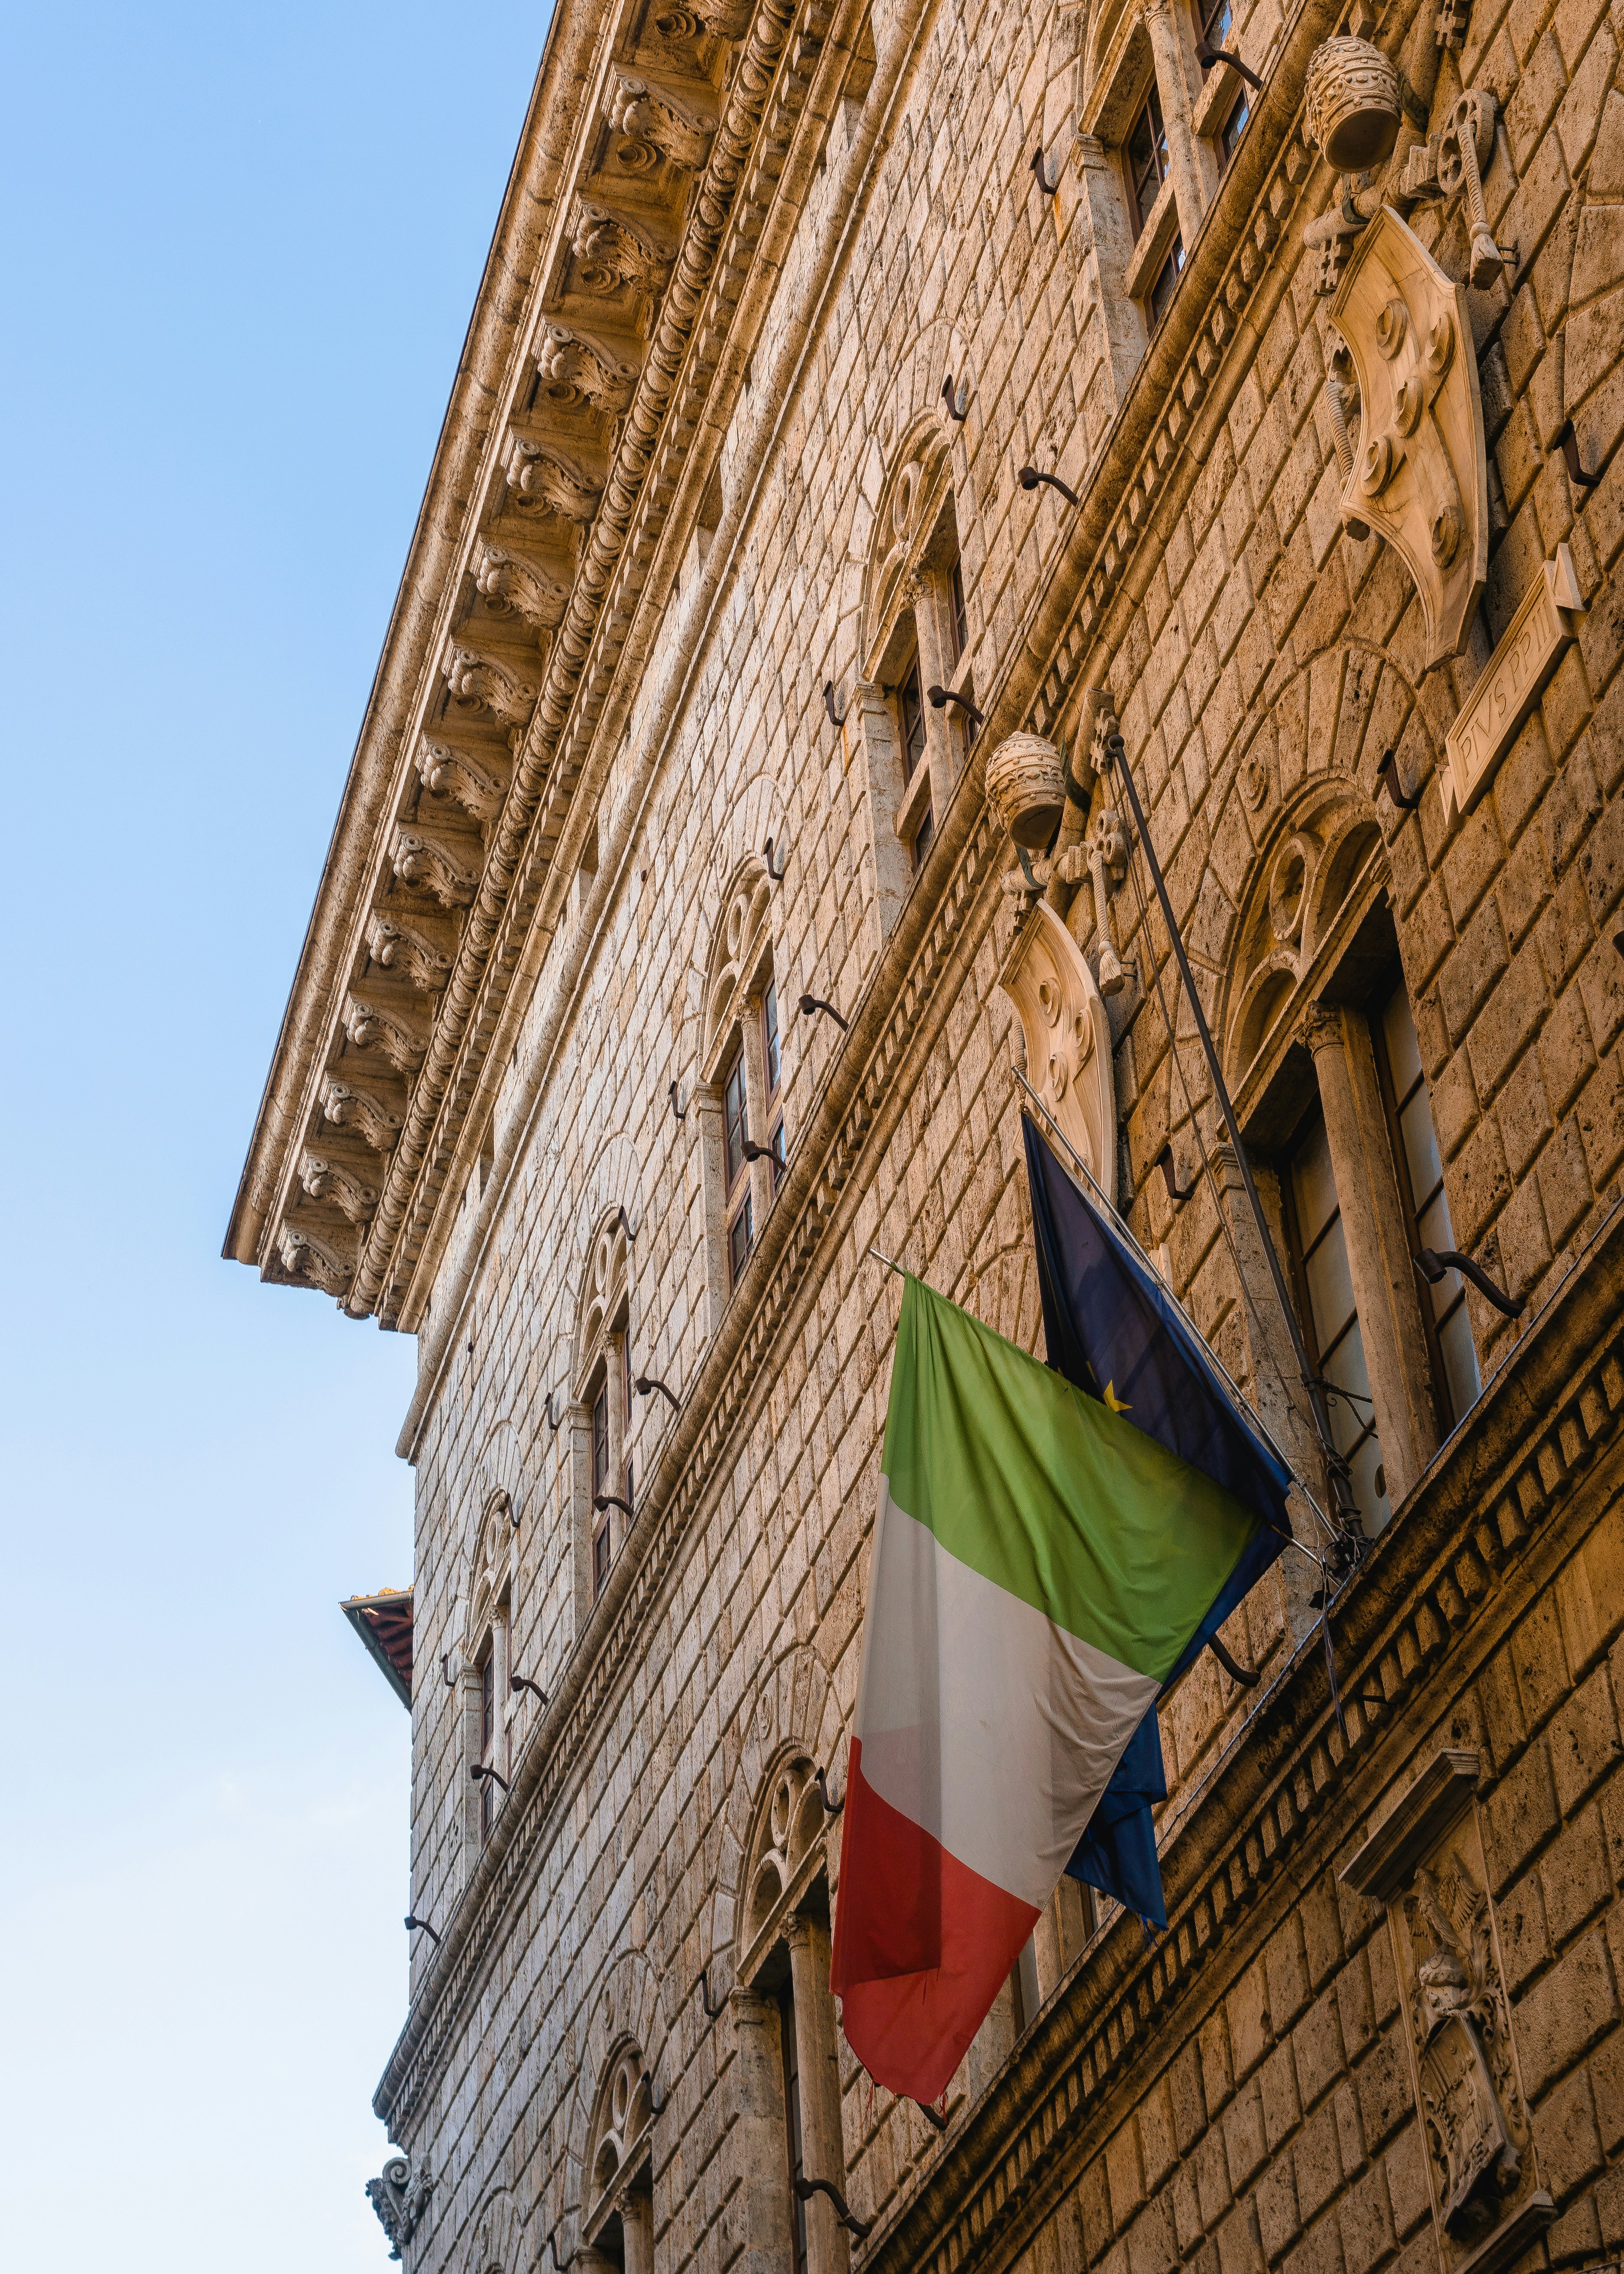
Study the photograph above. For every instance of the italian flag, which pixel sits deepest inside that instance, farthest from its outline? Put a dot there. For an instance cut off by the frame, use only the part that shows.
(1039, 1567)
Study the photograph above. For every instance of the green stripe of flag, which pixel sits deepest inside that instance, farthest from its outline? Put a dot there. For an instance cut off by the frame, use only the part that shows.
(1050, 1494)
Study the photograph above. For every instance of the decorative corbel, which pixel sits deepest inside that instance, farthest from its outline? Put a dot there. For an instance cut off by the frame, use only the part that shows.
(374, 1108)
(479, 785)
(646, 111)
(566, 356)
(400, 2198)
(327, 1174)
(437, 862)
(487, 688)
(419, 947)
(510, 586)
(323, 1255)
(388, 1024)
(622, 251)
(541, 480)
(1066, 1037)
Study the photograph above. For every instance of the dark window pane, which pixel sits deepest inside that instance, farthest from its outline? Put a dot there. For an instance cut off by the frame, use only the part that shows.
(1325, 1296)
(487, 1704)
(1217, 24)
(600, 1557)
(1147, 159)
(775, 1147)
(1167, 277)
(770, 1037)
(961, 622)
(732, 1118)
(792, 2127)
(1234, 127)
(600, 1441)
(911, 709)
(741, 1233)
(921, 842)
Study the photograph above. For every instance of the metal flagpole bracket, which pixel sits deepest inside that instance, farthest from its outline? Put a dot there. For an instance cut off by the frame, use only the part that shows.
(712, 2013)
(805, 2190)
(1029, 477)
(831, 1807)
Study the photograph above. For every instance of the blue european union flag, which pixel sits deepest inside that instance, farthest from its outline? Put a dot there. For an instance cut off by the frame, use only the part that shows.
(1113, 1330)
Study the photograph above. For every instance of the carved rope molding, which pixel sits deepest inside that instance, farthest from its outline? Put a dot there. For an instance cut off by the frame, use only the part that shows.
(500, 917)
(732, 1383)
(1288, 1780)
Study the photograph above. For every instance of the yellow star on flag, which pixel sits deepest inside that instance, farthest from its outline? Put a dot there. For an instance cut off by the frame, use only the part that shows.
(1117, 1405)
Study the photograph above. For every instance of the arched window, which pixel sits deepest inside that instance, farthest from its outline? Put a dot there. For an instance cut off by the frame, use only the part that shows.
(601, 1416)
(1326, 1068)
(785, 2007)
(618, 2191)
(741, 1099)
(486, 1694)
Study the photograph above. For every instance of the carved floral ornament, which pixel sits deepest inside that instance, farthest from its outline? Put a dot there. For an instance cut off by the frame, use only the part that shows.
(680, 123)
(1425, 1863)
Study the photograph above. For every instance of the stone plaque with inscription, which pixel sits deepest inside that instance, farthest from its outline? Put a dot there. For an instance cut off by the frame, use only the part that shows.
(1492, 714)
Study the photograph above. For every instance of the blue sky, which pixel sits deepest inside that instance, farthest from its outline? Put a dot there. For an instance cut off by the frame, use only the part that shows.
(241, 248)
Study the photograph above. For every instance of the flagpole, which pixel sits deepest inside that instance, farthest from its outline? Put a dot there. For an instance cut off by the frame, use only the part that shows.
(1117, 754)
(1244, 1409)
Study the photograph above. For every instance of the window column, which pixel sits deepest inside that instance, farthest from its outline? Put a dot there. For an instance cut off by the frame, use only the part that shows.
(875, 765)
(1190, 187)
(635, 2206)
(1379, 1254)
(818, 2075)
(762, 2193)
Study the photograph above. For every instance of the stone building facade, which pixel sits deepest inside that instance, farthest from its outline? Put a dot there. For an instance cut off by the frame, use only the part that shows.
(672, 957)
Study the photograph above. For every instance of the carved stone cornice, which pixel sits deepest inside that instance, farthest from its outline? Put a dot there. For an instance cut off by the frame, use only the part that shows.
(416, 945)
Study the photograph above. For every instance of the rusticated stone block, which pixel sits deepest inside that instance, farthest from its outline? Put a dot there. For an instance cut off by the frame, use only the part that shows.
(1521, 1815)
(1564, 2013)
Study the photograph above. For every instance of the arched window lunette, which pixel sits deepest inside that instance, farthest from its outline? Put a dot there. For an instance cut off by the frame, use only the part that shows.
(1325, 1067)
(786, 2023)
(617, 2194)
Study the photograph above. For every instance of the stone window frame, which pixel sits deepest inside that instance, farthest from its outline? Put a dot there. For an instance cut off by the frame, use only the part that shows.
(601, 1362)
(1142, 49)
(617, 2186)
(743, 967)
(1315, 942)
(782, 1976)
(489, 1632)
(910, 607)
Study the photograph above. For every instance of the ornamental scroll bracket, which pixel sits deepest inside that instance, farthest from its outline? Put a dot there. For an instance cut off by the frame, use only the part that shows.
(1425, 1863)
(1419, 476)
(1068, 1038)
(400, 2198)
